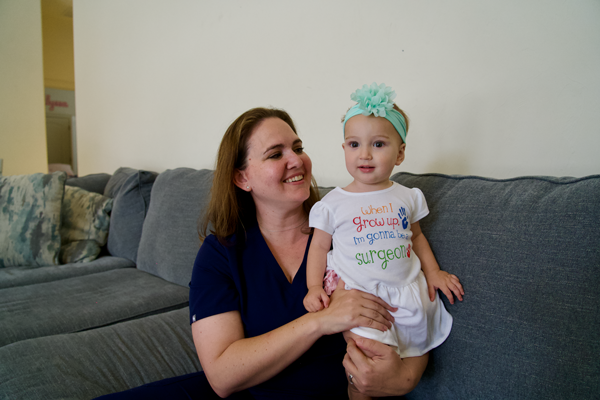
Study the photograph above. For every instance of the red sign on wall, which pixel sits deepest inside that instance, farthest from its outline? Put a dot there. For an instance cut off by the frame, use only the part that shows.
(53, 103)
(59, 102)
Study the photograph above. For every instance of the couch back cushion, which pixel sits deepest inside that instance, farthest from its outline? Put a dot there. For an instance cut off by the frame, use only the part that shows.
(131, 191)
(30, 219)
(169, 242)
(116, 180)
(527, 251)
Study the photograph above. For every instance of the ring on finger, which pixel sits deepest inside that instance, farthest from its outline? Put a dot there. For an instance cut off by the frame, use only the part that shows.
(350, 377)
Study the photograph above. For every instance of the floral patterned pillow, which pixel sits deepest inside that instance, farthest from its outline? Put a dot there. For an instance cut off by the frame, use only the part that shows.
(85, 222)
(30, 219)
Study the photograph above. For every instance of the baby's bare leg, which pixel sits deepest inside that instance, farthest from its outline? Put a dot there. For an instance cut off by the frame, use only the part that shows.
(354, 394)
(353, 336)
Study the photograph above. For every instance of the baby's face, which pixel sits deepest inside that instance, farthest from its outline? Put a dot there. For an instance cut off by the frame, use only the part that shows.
(372, 148)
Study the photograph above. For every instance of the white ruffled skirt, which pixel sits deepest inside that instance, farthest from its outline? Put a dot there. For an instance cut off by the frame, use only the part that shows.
(420, 324)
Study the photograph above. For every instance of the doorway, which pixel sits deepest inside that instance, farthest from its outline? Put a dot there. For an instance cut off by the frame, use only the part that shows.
(60, 131)
(59, 83)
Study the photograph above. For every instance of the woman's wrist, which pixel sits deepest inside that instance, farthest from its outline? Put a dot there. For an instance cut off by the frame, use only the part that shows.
(322, 323)
(313, 324)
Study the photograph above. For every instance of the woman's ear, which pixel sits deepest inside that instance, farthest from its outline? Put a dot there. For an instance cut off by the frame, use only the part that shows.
(400, 157)
(240, 180)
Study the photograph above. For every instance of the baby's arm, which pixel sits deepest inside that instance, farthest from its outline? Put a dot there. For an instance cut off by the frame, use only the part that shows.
(316, 298)
(436, 278)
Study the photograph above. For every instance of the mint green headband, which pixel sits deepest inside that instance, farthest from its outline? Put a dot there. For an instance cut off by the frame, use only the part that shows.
(377, 100)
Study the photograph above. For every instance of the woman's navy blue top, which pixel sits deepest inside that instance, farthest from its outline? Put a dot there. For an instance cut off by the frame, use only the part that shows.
(244, 276)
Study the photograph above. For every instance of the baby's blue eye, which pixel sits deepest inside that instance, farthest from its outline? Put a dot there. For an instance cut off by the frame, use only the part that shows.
(378, 144)
(353, 144)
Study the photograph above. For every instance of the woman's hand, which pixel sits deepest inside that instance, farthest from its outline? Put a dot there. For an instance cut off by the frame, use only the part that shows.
(378, 371)
(447, 283)
(351, 308)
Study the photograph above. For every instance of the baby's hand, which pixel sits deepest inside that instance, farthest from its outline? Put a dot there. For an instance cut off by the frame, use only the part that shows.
(316, 299)
(447, 283)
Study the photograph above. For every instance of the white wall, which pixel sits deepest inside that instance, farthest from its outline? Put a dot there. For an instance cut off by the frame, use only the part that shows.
(22, 119)
(493, 88)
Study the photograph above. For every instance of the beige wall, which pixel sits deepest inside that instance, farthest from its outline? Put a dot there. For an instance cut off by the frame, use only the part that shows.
(493, 88)
(22, 120)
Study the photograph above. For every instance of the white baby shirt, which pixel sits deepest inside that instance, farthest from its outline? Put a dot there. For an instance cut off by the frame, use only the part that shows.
(372, 252)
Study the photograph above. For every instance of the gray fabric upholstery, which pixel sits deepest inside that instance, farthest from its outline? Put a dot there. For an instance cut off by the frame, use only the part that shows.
(130, 206)
(21, 276)
(85, 302)
(92, 183)
(93, 363)
(117, 179)
(527, 253)
(170, 241)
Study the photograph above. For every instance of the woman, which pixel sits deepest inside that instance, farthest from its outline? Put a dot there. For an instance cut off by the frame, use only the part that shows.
(251, 331)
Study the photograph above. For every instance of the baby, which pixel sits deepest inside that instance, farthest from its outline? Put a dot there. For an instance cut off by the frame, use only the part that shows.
(378, 246)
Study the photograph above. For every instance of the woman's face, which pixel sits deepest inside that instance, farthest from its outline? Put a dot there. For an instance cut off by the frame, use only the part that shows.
(278, 171)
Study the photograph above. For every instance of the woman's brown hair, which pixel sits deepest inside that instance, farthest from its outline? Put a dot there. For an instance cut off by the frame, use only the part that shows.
(231, 208)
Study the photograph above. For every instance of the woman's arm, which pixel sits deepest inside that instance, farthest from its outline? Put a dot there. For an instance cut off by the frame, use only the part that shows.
(233, 363)
(436, 278)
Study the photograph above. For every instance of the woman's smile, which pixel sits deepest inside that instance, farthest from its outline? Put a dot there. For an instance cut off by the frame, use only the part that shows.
(294, 179)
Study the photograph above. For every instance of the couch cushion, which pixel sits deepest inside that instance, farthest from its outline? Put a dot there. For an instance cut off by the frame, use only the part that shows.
(131, 190)
(170, 241)
(85, 220)
(117, 179)
(94, 183)
(30, 219)
(22, 276)
(85, 302)
(93, 363)
(527, 251)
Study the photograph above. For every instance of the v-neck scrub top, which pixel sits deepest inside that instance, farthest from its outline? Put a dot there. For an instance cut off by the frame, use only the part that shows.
(245, 277)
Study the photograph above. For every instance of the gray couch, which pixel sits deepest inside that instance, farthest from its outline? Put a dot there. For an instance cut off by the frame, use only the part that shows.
(526, 249)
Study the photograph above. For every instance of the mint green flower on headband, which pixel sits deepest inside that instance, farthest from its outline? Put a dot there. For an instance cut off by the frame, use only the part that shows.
(376, 100)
